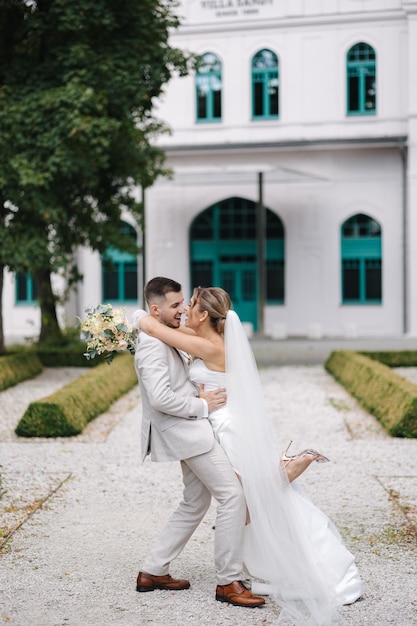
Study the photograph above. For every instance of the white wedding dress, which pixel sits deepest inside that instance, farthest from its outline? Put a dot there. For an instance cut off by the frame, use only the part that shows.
(291, 547)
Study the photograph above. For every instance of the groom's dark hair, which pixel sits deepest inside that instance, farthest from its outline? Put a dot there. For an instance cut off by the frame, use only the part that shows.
(159, 286)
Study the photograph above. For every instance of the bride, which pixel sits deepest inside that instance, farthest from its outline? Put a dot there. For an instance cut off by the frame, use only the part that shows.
(292, 549)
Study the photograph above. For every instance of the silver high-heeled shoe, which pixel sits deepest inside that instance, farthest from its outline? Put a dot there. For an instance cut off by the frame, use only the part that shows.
(320, 457)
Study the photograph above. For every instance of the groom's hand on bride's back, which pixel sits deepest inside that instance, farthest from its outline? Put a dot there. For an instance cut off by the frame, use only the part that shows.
(215, 399)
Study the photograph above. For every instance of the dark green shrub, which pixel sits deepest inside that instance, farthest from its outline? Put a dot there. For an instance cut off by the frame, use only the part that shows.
(389, 397)
(66, 356)
(69, 352)
(67, 411)
(399, 358)
(15, 368)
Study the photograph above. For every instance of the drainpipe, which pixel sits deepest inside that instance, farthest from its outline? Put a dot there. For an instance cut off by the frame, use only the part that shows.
(261, 256)
(403, 154)
(143, 247)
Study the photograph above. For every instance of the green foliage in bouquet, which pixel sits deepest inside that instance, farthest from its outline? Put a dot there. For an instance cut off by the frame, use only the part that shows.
(66, 412)
(107, 332)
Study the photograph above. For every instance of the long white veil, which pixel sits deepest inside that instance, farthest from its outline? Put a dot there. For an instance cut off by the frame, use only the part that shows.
(278, 548)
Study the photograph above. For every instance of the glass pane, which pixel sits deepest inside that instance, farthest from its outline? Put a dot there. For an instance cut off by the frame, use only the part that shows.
(203, 226)
(215, 82)
(248, 286)
(351, 280)
(370, 88)
(228, 283)
(131, 281)
(361, 225)
(237, 258)
(217, 104)
(274, 226)
(361, 52)
(111, 284)
(353, 104)
(273, 96)
(265, 59)
(373, 287)
(210, 63)
(127, 229)
(275, 280)
(258, 99)
(201, 105)
(237, 219)
(203, 85)
(202, 274)
(374, 229)
(21, 288)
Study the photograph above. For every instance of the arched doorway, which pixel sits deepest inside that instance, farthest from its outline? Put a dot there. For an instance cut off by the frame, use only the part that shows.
(223, 252)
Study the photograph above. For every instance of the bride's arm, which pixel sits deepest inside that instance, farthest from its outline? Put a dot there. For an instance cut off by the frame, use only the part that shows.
(182, 338)
(185, 330)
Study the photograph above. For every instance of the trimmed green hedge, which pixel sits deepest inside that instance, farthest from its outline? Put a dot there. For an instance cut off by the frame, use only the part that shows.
(15, 368)
(67, 411)
(389, 397)
(399, 358)
(67, 356)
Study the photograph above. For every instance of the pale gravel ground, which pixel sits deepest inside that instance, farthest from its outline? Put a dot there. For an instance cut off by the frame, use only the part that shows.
(74, 561)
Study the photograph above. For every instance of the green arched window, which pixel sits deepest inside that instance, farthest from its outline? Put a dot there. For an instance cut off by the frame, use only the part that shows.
(361, 261)
(120, 272)
(361, 80)
(223, 253)
(209, 89)
(265, 85)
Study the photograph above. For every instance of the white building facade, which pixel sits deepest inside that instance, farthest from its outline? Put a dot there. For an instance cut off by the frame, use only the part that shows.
(294, 159)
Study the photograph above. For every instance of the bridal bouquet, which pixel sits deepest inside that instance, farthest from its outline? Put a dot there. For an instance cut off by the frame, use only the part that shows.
(107, 331)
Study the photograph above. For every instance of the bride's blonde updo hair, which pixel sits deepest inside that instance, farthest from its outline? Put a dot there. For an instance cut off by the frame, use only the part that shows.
(216, 302)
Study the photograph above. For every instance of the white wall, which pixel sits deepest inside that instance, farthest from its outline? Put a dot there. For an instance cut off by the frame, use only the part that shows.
(312, 58)
(312, 211)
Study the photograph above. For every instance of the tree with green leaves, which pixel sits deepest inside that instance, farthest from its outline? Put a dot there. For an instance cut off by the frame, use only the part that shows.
(78, 82)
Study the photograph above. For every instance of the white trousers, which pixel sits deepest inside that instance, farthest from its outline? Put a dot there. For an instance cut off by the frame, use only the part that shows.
(204, 476)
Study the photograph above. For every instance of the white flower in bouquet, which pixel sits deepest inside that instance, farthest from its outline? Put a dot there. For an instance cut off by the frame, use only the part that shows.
(107, 331)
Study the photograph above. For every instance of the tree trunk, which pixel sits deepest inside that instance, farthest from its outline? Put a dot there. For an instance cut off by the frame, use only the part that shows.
(2, 346)
(50, 330)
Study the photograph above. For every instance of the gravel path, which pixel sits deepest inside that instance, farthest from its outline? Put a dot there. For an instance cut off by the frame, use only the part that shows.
(86, 510)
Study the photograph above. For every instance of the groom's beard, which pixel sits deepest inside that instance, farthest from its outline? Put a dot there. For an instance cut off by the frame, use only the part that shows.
(171, 324)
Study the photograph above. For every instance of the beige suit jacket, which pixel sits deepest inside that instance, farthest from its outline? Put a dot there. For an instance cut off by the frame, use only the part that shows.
(173, 426)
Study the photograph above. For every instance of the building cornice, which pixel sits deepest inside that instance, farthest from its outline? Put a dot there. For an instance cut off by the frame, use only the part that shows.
(330, 19)
(369, 142)
(409, 6)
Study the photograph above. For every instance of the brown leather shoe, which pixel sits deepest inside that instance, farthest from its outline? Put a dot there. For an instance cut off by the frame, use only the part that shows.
(149, 582)
(236, 593)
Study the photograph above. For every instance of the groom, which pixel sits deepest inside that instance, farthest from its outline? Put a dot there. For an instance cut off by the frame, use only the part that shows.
(175, 428)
